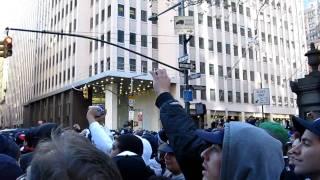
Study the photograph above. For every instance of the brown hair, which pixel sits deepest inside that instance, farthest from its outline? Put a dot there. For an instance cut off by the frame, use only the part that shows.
(71, 156)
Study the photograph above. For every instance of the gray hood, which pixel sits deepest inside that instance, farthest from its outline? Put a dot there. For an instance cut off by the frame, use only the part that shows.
(250, 153)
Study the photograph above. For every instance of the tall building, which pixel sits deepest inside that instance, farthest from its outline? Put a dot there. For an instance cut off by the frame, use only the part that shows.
(312, 22)
(237, 47)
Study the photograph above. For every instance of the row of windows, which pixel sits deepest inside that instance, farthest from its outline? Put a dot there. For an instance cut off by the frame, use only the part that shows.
(64, 12)
(132, 13)
(120, 66)
(203, 96)
(54, 80)
(55, 3)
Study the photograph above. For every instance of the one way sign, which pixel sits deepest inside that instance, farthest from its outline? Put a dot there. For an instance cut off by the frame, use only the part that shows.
(186, 66)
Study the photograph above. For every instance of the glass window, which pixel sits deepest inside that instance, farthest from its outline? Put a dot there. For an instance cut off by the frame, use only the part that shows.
(132, 13)
(203, 94)
(120, 36)
(229, 72)
(220, 71)
(230, 96)
(246, 98)
(211, 69)
(155, 66)
(144, 41)
(210, 43)
(238, 97)
(102, 38)
(90, 72)
(102, 15)
(209, 18)
(101, 65)
(219, 46)
(109, 10)
(133, 38)
(218, 23)
(120, 63)
(154, 22)
(228, 49)
(235, 50)
(120, 10)
(97, 19)
(244, 75)
(237, 76)
(202, 68)
(143, 15)
(212, 95)
(234, 28)
(200, 18)
(95, 68)
(194, 63)
(251, 75)
(144, 66)
(132, 65)
(226, 26)
(201, 44)
(154, 43)
(221, 95)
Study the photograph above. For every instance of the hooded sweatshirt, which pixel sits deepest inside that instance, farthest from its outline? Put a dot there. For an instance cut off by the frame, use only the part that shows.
(250, 153)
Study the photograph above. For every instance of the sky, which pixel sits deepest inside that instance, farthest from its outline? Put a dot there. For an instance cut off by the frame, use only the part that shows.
(9, 13)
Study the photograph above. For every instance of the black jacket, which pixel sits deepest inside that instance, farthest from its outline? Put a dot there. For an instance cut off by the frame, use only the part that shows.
(180, 129)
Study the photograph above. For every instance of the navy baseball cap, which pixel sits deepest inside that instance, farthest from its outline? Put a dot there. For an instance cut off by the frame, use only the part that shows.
(313, 126)
(165, 148)
(214, 137)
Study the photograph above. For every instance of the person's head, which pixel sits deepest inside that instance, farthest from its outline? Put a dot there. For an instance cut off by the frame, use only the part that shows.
(127, 142)
(71, 156)
(9, 168)
(170, 158)
(9, 147)
(237, 150)
(212, 156)
(306, 155)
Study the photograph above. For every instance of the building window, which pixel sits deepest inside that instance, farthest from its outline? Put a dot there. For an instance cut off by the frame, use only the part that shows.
(228, 49)
(212, 95)
(144, 42)
(218, 23)
(266, 78)
(238, 97)
(210, 43)
(97, 19)
(68, 75)
(221, 95)
(102, 38)
(154, 22)
(230, 96)
(226, 26)
(96, 45)
(209, 18)
(191, 42)
(250, 53)
(101, 66)
(234, 28)
(132, 13)
(120, 36)
(242, 31)
(120, 63)
(108, 64)
(109, 10)
(246, 97)
(263, 36)
(133, 38)
(194, 63)
(154, 43)
(248, 12)
(74, 48)
(102, 15)
(211, 69)
(95, 68)
(202, 68)
(69, 51)
(251, 76)
(229, 72)
(144, 66)
(91, 22)
(143, 15)
(155, 66)
(233, 7)
(109, 36)
(235, 50)
(219, 47)
(90, 71)
(190, 13)
(203, 94)
(240, 8)
(249, 33)
(73, 71)
(120, 10)
(244, 75)
(243, 52)
(237, 76)
(132, 63)
(201, 44)
(220, 71)
(200, 18)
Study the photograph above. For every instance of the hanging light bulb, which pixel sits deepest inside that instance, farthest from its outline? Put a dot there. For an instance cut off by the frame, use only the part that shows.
(112, 78)
(121, 79)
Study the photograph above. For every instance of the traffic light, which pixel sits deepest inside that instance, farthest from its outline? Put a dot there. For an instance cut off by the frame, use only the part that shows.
(6, 47)
(85, 92)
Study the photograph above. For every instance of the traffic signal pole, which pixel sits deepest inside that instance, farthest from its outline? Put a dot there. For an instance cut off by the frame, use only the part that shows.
(185, 53)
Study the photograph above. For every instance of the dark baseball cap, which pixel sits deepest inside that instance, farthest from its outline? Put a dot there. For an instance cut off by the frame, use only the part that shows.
(166, 148)
(313, 126)
(214, 137)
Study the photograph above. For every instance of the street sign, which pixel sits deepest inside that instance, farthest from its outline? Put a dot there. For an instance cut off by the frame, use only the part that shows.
(186, 66)
(187, 95)
(184, 25)
(197, 87)
(183, 59)
(261, 96)
(194, 76)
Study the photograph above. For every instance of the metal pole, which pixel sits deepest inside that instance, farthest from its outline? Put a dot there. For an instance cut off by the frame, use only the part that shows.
(185, 52)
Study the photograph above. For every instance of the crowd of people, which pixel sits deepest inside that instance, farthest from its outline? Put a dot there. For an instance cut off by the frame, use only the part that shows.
(232, 150)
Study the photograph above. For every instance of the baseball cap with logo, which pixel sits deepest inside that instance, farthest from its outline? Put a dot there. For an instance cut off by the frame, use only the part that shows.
(313, 126)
